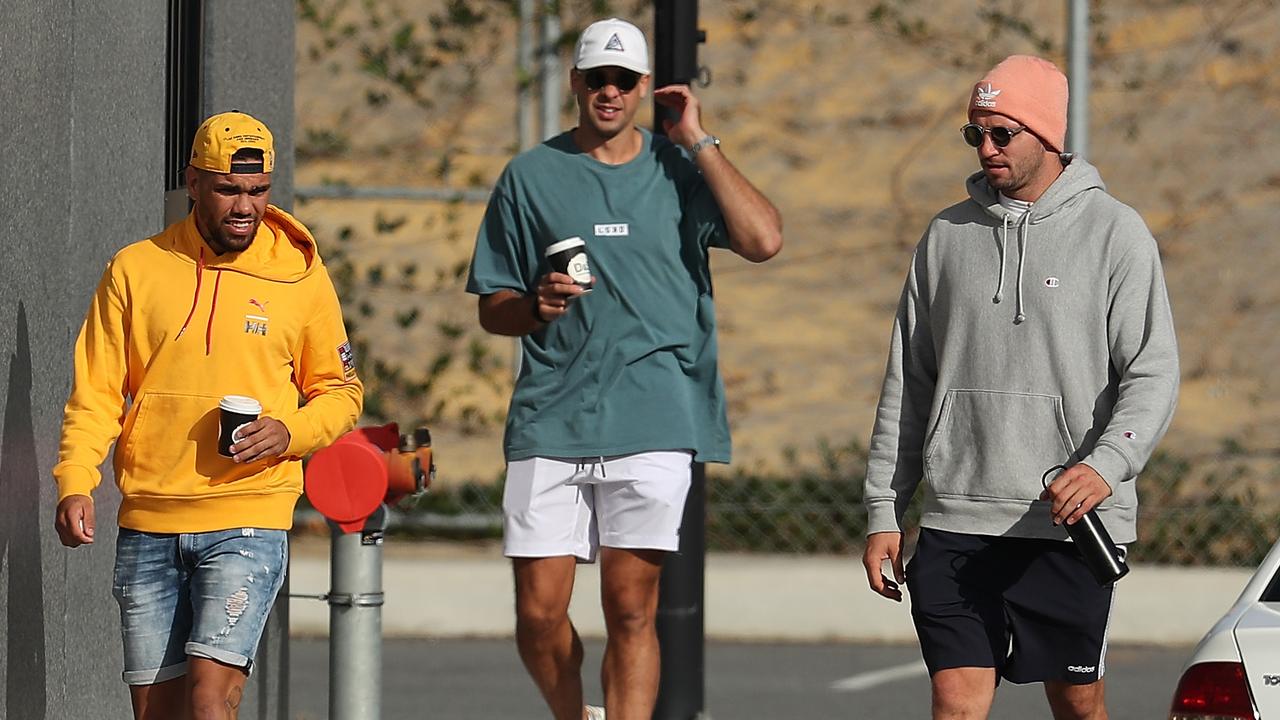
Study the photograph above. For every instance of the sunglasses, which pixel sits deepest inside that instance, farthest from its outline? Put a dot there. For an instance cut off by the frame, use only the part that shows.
(1001, 136)
(624, 80)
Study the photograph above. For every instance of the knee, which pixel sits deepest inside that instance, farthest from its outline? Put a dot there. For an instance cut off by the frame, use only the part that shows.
(1076, 702)
(628, 620)
(213, 700)
(534, 622)
(961, 691)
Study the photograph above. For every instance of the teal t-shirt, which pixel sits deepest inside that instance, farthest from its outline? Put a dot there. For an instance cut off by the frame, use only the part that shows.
(632, 367)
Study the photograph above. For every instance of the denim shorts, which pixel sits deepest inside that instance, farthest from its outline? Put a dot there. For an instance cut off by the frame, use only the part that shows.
(195, 594)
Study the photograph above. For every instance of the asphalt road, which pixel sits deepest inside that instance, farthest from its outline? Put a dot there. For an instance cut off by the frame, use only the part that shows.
(484, 680)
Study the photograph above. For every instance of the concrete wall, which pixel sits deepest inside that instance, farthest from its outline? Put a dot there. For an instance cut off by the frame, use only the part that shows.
(82, 90)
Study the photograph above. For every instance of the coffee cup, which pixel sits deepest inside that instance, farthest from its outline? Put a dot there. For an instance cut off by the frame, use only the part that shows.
(234, 412)
(569, 256)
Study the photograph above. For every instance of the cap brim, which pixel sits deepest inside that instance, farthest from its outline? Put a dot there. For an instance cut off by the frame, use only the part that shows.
(612, 60)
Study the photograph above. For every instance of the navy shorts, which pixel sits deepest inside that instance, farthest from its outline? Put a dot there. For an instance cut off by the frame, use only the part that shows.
(1030, 609)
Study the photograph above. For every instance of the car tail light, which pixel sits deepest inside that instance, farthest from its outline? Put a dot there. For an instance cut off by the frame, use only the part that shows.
(1213, 691)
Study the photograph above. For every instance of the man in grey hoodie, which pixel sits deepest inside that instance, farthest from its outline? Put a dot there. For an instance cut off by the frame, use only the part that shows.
(983, 397)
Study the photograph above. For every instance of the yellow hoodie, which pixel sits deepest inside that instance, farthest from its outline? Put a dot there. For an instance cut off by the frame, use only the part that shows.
(174, 327)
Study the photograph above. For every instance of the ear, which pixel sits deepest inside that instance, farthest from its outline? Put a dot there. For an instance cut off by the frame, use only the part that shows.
(189, 177)
(644, 86)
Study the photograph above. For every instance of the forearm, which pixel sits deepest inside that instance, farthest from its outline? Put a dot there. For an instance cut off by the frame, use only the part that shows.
(753, 223)
(510, 313)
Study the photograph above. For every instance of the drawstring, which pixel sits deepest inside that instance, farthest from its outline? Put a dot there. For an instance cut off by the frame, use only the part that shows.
(218, 281)
(195, 300)
(1022, 225)
(1019, 316)
(1004, 241)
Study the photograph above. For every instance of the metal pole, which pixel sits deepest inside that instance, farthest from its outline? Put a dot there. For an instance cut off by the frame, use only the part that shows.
(551, 74)
(524, 77)
(681, 631)
(1078, 72)
(355, 621)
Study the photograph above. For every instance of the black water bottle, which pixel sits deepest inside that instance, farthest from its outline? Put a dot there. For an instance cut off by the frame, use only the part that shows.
(1091, 538)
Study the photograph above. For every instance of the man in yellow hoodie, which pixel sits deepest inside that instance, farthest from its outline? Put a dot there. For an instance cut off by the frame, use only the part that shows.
(233, 300)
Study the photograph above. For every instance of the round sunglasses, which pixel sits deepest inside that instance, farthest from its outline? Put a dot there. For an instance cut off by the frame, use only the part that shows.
(624, 80)
(1001, 136)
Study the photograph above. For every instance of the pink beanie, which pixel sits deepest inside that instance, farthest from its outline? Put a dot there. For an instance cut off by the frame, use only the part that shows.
(1029, 90)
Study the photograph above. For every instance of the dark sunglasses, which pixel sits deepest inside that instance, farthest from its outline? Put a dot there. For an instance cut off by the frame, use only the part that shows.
(1001, 136)
(624, 80)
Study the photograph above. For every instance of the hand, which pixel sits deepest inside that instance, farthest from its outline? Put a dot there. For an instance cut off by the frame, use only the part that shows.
(261, 439)
(883, 546)
(1075, 491)
(688, 129)
(74, 520)
(554, 293)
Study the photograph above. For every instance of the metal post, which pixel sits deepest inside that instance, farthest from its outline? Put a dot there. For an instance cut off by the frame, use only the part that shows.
(524, 76)
(552, 92)
(681, 636)
(1078, 72)
(355, 621)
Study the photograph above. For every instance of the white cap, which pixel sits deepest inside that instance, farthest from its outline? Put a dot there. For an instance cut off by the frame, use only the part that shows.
(612, 42)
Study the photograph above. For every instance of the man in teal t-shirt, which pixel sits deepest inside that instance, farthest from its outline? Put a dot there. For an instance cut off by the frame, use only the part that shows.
(619, 391)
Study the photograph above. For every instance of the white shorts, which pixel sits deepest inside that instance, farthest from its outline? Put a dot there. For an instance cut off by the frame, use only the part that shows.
(571, 506)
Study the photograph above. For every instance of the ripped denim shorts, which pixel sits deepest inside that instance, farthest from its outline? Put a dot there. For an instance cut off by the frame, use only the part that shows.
(195, 594)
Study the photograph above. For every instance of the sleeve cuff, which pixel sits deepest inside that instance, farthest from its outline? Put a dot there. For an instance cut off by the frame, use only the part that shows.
(882, 516)
(1110, 463)
(76, 480)
(302, 439)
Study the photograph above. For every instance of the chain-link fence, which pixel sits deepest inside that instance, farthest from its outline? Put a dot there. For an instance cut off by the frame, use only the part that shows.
(1222, 509)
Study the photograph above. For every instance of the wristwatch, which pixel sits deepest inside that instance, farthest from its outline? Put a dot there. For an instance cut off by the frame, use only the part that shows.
(703, 144)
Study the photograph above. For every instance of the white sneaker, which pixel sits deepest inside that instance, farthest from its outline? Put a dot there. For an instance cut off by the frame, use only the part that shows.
(595, 712)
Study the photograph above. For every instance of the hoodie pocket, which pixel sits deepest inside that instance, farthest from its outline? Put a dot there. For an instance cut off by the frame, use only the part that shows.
(996, 444)
(170, 433)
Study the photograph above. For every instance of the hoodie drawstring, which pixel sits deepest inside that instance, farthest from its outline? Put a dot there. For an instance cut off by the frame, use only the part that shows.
(1022, 225)
(213, 307)
(195, 300)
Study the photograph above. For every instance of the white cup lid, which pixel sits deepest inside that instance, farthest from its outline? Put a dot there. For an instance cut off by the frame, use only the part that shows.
(240, 404)
(565, 245)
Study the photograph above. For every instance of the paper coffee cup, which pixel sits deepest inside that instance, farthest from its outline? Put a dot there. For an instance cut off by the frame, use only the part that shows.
(234, 412)
(569, 256)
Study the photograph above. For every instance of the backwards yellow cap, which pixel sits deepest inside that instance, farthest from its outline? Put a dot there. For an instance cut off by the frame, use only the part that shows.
(223, 135)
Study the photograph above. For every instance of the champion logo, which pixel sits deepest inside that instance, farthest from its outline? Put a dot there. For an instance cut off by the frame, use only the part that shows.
(1052, 282)
(262, 306)
(1081, 668)
(615, 43)
(986, 96)
(1130, 435)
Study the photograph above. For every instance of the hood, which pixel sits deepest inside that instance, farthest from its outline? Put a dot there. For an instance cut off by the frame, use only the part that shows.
(283, 250)
(1077, 178)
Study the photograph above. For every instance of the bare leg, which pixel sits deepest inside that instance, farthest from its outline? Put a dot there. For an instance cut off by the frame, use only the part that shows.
(964, 693)
(548, 643)
(162, 701)
(1076, 702)
(215, 689)
(629, 589)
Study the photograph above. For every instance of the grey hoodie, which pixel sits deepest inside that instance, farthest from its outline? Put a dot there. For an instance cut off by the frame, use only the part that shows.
(1020, 345)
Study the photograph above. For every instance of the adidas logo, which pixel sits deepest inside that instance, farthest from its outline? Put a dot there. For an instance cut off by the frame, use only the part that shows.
(986, 96)
(1081, 668)
(615, 43)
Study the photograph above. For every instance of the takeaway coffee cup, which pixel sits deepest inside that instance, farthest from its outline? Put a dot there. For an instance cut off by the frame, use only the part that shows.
(235, 411)
(569, 256)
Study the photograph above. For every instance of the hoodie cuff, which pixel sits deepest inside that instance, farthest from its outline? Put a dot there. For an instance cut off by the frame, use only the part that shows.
(76, 480)
(302, 439)
(882, 516)
(1110, 463)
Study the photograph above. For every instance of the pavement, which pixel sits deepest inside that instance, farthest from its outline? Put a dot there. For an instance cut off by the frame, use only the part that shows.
(451, 590)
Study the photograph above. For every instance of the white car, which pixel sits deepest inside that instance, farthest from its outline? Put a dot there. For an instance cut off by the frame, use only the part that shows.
(1235, 670)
